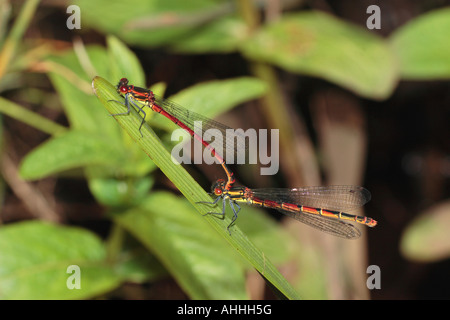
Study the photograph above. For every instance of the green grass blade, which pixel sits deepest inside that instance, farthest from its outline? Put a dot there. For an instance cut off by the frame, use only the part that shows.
(14, 38)
(153, 147)
(29, 117)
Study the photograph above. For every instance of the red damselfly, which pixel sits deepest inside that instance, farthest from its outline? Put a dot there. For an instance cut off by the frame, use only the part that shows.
(319, 207)
(191, 122)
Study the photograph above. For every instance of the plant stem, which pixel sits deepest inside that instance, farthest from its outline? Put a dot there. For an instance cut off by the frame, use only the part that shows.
(33, 119)
(18, 29)
(114, 242)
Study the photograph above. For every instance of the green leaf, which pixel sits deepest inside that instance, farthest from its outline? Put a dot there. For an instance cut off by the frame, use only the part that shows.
(320, 45)
(138, 265)
(221, 36)
(151, 22)
(77, 149)
(68, 78)
(427, 238)
(120, 192)
(34, 257)
(70, 150)
(423, 47)
(201, 262)
(215, 97)
(124, 63)
(189, 188)
(80, 63)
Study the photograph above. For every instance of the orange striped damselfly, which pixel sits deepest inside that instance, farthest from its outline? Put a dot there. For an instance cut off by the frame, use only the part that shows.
(319, 207)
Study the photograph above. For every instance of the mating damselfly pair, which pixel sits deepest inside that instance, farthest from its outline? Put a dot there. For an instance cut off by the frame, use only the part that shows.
(323, 207)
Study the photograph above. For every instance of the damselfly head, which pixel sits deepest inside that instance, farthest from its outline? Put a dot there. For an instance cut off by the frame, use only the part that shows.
(217, 187)
(122, 86)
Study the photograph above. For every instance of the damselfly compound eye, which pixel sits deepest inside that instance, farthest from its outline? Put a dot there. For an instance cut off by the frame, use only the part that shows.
(218, 191)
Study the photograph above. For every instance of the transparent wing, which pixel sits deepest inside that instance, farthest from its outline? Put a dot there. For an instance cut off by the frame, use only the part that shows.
(336, 198)
(332, 226)
(231, 140)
